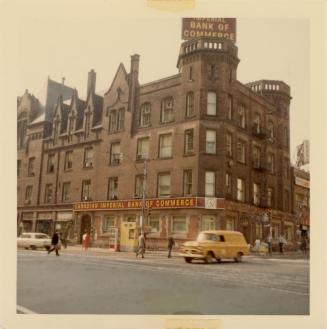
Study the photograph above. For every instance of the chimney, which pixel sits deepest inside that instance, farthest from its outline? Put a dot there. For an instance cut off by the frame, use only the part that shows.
(133, 81)
(91, 79)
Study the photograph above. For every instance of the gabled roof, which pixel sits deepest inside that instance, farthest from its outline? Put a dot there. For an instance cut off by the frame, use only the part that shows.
(121, 68)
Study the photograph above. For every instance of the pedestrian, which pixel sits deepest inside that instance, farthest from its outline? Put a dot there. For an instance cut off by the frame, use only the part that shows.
(304, 245)
(281, 244)
(141, 245)
(55, 243)
(269, 241)
(85, 241)
(171, 243)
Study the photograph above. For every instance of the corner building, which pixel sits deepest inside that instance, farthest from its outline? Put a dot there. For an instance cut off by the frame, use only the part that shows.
(211, 152)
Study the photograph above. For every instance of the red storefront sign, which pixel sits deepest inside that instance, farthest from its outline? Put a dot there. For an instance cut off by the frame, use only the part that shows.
(171, 203)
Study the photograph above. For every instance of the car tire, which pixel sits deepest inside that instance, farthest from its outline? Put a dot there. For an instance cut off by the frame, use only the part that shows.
(188, 259)
(238, 257)
(33, 247)
(209, 257)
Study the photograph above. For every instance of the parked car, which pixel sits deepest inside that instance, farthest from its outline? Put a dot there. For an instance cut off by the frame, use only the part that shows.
(33, 240)
(216, 245)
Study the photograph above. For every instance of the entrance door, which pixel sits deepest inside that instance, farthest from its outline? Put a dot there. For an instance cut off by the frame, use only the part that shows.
(85, 226)
(128, 235)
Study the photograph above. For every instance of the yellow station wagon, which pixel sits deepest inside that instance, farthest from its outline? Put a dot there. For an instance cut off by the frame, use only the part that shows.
(216, 245)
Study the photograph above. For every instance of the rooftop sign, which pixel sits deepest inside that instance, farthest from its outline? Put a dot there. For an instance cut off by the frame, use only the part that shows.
(209, 27)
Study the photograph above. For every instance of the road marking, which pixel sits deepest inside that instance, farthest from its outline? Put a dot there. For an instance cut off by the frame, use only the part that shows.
(24, 310)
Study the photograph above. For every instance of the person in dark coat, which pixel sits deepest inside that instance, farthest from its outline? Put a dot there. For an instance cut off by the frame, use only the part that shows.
(171, 243)
(55, 243)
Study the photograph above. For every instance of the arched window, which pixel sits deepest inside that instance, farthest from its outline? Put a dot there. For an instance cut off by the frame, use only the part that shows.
(145, 115)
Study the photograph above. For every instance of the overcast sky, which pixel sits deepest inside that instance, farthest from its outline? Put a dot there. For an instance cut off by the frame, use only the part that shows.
(62, 46)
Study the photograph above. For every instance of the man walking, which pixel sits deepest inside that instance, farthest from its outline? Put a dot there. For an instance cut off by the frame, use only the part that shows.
(55, 243)
(141, 245)
(171, 243)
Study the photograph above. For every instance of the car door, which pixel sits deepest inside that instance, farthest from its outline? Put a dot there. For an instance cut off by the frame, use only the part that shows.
(221, 250)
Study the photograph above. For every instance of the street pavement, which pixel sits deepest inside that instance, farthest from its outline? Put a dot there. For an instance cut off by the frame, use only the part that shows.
(99, 281)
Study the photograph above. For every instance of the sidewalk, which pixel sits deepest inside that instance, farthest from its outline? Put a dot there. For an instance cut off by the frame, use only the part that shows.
(160, 253)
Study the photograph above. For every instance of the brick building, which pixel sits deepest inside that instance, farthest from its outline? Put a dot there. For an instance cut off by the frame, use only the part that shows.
(217, 154)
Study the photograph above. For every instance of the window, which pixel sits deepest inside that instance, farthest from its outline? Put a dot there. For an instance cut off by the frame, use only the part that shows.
(210, 183)
(188, 141)
(163, 185)
(228, 183)
(257, 123)
(230, 225)
(50, 166)
(31, 162)
(121, 119)
(66, 191)
(241, 116)
(154, 223)
(115, 153)
(258, 231)
(139, 181)
(191, 73)
(270, 127)
(142, 148)
(113, 121)
(230, 107)
(167, 110)
(71, 128)
(211, 103)
(286, 200)
(19, 165)
(190, 104)
(286, 167)
(55, 131)
(256, 157)
(165, 146)
(285, 137)
(229, 148)
(68, 160)
(210, 141)
(241, 151)
(270, 197)
(271, 163)
(28, 193)
(240, 189)
(87, 124)
(88, 157)
(179, 224)
(113, 188)
(86, 190)
(108, 223)
(208, 223)
(187, 188)
(289, 232)
(256, 194)
(145, 117)
(48, 193)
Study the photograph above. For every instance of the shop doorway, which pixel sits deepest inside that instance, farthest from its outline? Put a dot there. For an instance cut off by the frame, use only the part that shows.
(85, 226)
(128, 234)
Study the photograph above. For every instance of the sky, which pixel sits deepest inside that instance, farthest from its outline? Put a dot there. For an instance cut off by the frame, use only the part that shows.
(62, 46)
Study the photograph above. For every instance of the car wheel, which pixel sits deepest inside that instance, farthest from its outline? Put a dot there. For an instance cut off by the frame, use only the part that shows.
(188, 259)
(238, 257)
(33, 247)
(209, 258)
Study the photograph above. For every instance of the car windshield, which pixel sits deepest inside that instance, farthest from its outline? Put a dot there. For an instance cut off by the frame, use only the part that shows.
(41, 236)
(25, 236)
(207, 236)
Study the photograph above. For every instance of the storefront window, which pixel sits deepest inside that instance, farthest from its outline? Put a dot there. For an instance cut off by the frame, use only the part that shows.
(108, 222)
(154, 223)
(179, 224)
(208, 223)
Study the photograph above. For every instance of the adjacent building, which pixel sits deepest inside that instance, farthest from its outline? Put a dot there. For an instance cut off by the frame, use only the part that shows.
(195, 151)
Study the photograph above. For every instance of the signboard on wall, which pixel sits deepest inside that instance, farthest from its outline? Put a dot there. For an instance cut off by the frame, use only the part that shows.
(209, 27)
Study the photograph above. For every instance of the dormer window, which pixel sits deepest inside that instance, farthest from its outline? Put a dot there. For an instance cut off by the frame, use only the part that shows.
(167, 110)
